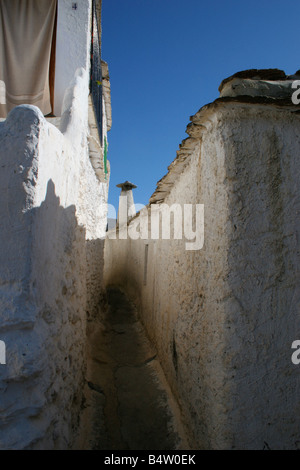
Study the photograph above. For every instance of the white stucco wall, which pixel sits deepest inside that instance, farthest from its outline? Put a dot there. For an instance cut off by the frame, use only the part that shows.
(53, 208)
(72, 45)
(223, 318)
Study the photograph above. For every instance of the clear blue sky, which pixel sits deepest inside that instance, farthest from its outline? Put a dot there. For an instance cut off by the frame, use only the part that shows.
(166, 60)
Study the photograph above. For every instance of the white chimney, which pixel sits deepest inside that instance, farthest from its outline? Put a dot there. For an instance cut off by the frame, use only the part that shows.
(126, 204)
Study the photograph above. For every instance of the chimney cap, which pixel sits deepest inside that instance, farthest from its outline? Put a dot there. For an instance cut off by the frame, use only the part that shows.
(126, 185)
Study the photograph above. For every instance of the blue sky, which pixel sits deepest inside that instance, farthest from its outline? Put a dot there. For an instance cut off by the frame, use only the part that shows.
(167, 59)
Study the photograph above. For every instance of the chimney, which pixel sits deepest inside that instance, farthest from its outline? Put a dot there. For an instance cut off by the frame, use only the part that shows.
(126, 204)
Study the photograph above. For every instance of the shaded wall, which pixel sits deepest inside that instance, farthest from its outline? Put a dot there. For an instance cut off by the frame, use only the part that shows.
(223, 318)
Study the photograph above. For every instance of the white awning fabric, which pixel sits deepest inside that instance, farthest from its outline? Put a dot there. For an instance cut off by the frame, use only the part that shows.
(26, 31)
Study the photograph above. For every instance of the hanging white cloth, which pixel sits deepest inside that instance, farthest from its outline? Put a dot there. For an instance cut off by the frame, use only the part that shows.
(26, 31)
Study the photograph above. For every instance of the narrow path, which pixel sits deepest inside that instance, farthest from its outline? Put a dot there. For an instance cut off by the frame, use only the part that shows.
(128, 402)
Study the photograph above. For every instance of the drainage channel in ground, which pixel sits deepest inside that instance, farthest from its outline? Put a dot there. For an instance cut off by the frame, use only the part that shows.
(129, 405)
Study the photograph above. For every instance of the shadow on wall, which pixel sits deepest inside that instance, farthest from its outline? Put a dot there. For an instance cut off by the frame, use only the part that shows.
(43, 298)
(96, 294)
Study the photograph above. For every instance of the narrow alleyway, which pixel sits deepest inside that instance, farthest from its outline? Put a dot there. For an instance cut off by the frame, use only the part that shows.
(128, 402)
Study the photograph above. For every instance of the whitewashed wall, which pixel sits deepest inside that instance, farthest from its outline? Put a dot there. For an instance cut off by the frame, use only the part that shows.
(52, 210)
(72, 45)
(223, 318)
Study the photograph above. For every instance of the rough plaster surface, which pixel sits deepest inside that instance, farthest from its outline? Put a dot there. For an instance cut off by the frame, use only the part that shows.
(73, 45)
(223, 318)
(52, 211)
(239, 87)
